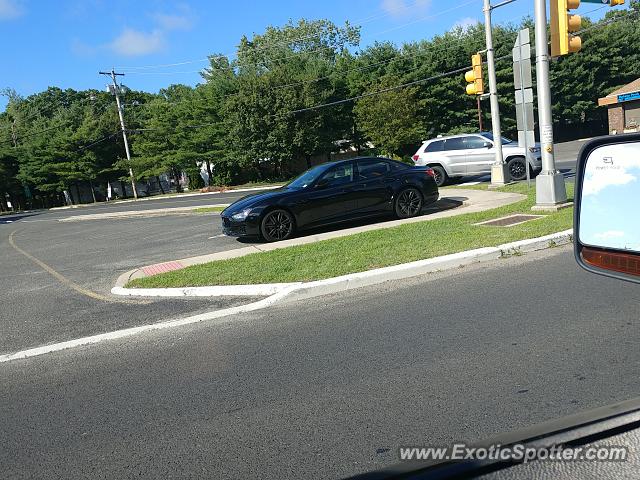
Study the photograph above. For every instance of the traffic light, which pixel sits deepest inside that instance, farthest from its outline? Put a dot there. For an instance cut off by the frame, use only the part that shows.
(474, 77)
(613, 3)
(562, 24)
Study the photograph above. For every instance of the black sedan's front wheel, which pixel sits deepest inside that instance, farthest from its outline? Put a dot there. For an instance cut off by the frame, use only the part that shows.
(408, 203)
(277, 225)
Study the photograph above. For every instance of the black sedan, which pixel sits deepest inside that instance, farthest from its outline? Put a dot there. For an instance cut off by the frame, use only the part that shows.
(332, 193)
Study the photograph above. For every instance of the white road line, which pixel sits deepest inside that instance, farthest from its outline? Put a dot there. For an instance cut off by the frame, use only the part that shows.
(128, 332)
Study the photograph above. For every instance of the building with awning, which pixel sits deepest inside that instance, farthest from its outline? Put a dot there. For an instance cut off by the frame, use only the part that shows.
(623, 106)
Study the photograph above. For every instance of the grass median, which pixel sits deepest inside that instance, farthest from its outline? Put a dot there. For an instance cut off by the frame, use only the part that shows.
(208, 209)
(372, 249)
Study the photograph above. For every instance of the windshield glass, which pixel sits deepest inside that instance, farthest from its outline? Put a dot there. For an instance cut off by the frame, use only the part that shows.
(489, 135)
(307, 178)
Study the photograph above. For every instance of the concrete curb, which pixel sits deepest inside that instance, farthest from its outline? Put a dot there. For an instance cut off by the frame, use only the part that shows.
(299, 290)
(258, 290)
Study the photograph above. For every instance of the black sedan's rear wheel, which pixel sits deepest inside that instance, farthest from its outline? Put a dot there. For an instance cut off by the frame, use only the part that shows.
(277, 225)
(408, 203)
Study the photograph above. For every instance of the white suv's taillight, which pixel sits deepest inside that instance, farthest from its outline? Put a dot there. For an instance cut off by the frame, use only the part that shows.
(416, 157)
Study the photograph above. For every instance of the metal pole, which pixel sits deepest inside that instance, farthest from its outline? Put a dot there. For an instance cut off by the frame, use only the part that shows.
(550, 187)
(498, 169)
(524, 113)
(479, 113)
(124, 130)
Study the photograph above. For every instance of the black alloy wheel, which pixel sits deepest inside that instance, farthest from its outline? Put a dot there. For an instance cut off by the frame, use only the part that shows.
(439, 175)
(277, 225)
(408, 203)
(517, 168)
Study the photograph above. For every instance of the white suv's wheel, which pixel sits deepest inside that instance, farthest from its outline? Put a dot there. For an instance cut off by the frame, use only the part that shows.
(517, 168)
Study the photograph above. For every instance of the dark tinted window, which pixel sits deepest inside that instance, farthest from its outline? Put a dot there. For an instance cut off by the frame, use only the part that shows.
(476, 142)
(338, 175)
(435, 146)
(397, 166)
(454, 143)
(306, 178)
(368, 169)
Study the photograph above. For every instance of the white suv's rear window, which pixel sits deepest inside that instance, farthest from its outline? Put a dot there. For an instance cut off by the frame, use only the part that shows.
(436, 146)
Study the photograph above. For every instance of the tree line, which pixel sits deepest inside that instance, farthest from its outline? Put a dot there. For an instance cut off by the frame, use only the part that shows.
(293, 96)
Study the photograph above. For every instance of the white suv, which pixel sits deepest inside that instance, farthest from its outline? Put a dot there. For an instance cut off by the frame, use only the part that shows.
(473, 154)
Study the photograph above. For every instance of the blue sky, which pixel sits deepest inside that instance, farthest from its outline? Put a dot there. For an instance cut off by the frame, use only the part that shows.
(610, 198)
(64, 43)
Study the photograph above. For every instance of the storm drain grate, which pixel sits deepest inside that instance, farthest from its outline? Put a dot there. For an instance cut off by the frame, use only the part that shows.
(510, 221)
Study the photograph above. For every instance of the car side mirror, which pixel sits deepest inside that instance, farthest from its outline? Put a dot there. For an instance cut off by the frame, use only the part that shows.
(488, 144)
(607, 198)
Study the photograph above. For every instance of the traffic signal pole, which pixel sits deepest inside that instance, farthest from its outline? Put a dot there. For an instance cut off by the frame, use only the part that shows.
(499, 175)
(550, 187)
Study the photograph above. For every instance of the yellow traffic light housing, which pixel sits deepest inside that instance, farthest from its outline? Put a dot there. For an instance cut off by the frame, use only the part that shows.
(613, 3)
(474, 77)
(562, 25)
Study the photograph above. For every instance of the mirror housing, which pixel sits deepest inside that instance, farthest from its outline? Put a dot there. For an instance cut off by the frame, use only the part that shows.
(607, 199)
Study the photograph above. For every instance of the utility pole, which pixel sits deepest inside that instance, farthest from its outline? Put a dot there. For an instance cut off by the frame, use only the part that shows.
(116, 92)
(479, 113)
(499, 174)
(550, 188)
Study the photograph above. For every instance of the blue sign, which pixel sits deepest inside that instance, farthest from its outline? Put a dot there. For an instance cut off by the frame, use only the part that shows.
(625, 97)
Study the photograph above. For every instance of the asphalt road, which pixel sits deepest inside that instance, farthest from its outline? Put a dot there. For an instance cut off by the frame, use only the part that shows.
(330, 386)
(37, 308)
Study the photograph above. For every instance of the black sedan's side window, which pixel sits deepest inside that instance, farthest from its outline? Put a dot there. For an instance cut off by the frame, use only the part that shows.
(371, 169)
(336, 176)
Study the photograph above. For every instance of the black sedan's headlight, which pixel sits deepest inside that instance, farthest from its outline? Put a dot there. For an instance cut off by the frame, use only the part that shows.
(240, 216)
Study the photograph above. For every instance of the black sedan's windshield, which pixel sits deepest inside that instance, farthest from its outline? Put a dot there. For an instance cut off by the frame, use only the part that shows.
(307, 178)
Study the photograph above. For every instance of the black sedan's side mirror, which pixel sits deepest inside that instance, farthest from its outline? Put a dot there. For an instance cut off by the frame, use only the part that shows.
(607, 204)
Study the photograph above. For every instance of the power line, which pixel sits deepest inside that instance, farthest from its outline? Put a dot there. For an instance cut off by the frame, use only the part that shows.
(293, 55)
(284, 42)
(103, 139)
(402, 57)
(390, 89)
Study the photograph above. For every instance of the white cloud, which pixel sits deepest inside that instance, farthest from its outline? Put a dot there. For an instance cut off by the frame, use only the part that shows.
(401, 8)
(465, 23)
(594, 183)
(609, 165)
(134, 42)
(10, 9)
(172, 22)
(609, 234)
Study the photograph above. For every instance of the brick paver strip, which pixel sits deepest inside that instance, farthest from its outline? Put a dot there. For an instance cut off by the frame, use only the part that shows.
(162, 267)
